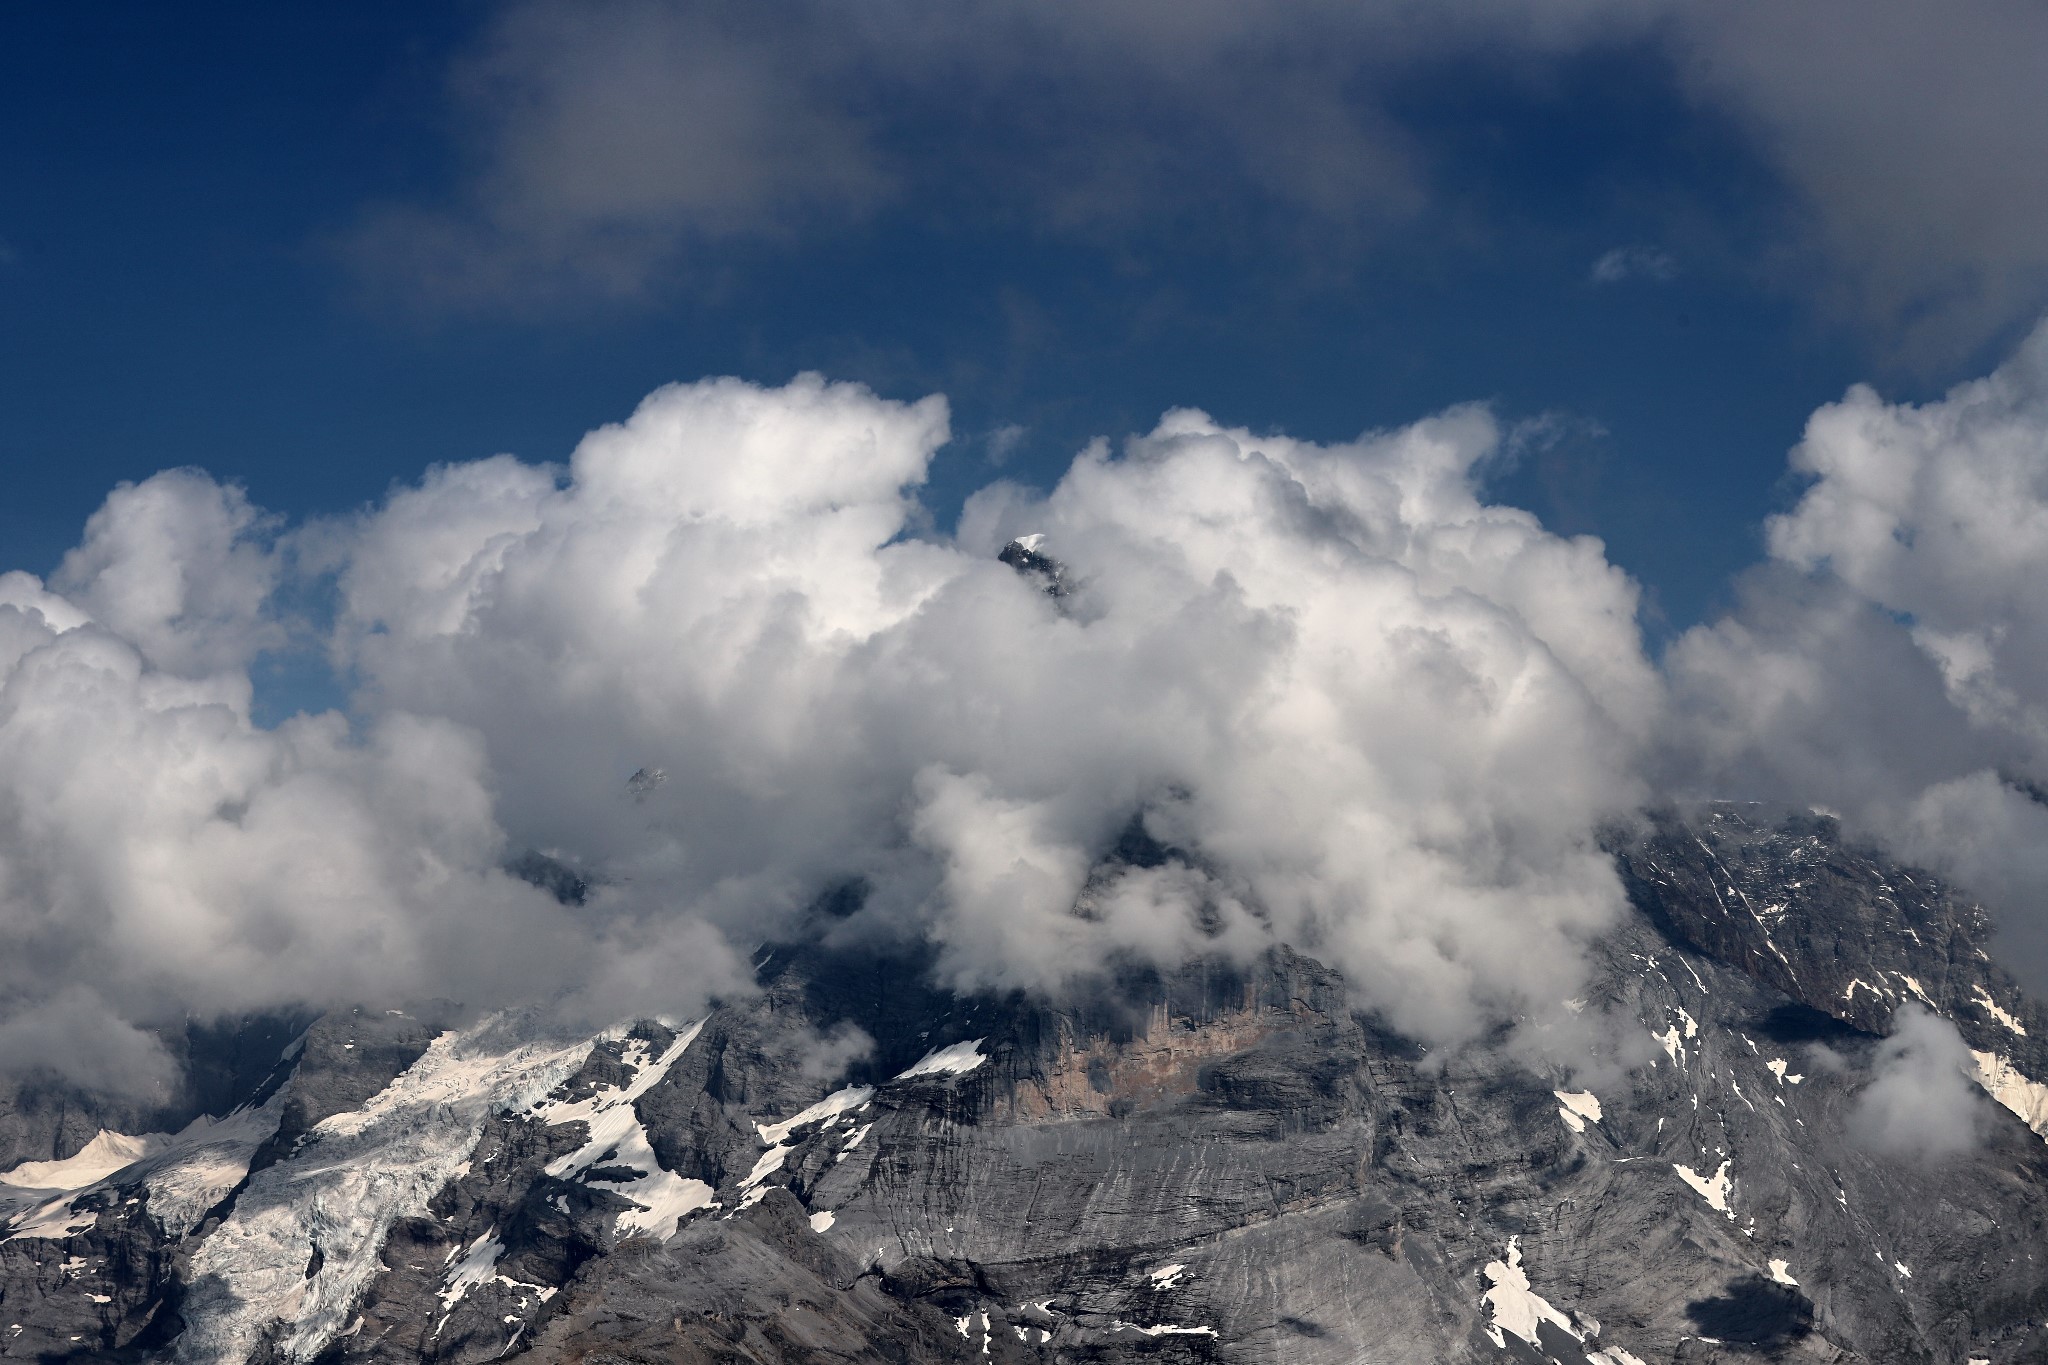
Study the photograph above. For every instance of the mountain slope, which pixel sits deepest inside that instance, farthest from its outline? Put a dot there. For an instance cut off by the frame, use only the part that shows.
(1217, 1164)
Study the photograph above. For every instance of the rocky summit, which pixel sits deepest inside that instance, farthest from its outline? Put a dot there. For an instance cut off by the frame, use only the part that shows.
(1223, 1163)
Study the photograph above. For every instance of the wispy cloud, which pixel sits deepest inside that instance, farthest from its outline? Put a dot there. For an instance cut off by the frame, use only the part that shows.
(612, 149)
(1633, 263)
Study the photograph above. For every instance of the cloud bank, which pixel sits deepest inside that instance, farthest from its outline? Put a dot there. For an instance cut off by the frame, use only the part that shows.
(721, 667)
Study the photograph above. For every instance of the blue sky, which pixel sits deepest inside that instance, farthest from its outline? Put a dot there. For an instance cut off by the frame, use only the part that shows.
(315, 250)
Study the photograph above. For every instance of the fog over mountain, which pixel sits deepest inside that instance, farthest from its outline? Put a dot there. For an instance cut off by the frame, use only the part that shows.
(1363, 710)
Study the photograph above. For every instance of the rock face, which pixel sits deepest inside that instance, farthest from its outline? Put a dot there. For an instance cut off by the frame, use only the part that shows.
(1223, 1163)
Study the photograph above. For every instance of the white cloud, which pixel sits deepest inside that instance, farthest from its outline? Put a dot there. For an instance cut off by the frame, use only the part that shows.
(1892, 664)
(1372, 715)
(1939, 514)
(181, 567)
(1633, 262)
(1921, 1102)
(161, 855)
(1380, 717)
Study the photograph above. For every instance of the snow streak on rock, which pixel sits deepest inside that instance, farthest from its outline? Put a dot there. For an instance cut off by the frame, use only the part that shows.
(832, 1106)
(777, 1136)
(1992, 1008)
(480, 1266)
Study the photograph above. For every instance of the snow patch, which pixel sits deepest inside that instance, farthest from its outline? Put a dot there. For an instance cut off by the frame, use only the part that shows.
(852, 1142)
(777, 1136)
(1781, 1271)
(107, 1153)
(1713, 1189)
(1514, 1307)
(187, 1173)
(1576, 1106)
(833, 1105)
(480, 1266)
(822, 1221)
(1167, 1276)
(1776, 1066)
(962, 1322)
(2022, 1095)
(1166, 1329)
(957, 1060)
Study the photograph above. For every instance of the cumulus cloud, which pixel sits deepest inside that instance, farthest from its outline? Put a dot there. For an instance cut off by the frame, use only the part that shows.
(182, 568)
(1340, 700)
(1920, 1103)
(1367, 712)
(162, 855)
(1891, 662)
(1353, 706)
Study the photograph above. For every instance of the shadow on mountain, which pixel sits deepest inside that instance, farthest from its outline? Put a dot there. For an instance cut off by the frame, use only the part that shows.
(1753, 1311)
(1793, 1022)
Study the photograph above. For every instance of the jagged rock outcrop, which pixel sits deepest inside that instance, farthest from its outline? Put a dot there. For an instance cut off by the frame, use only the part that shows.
(1221, 1163)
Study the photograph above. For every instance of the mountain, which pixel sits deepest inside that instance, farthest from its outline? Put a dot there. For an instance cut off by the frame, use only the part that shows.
(1221, 1163)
